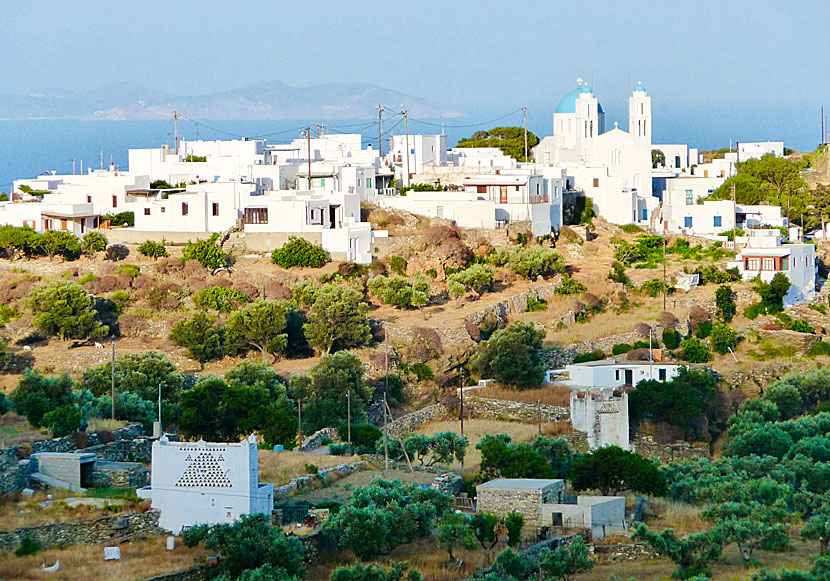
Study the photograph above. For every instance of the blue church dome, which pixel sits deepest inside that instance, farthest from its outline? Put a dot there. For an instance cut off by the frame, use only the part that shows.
(568, 102)
(639, 88)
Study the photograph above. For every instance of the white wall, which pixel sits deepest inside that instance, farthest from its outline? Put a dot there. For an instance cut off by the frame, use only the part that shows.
(757, 149)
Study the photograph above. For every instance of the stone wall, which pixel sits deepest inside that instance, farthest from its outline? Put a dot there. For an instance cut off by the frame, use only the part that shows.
(316, 439)
(120, 475)
(528, 503)
(99, 530)
(197, 573)
(410, 422)
(667, 453)
(501, 409)
(306, 482)
(513, 305)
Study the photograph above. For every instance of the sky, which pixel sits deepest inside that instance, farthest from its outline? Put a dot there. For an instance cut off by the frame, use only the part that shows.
(477, 55)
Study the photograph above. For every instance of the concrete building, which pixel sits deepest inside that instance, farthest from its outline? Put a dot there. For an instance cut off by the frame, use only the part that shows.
(77, 219)
(424, 151)
(206, 483)
(601, 515)
(757, 149)
(765, 256)
(602, 414)
(614, 373)
(523, 495)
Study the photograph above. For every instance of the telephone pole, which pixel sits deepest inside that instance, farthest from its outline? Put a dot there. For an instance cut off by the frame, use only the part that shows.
(349, 417)
(176, 130)
(299, 421)
(665, 290)
(524, 111)
(461, 405)
(73, 166)
(380, 129)
(406, 125)
(112, 377)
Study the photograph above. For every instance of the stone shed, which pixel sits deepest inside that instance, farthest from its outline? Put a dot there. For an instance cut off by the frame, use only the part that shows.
(524, 495)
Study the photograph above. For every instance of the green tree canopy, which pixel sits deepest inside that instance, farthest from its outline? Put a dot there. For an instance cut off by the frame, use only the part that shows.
(206, 252)
(261, 325)
(324, 393)
(337, 319)
(299, 252)
(511, 356)
(36, 395)
(612, 470)
(139, 373)
(203, 340)
(511, 140)
(66, 309)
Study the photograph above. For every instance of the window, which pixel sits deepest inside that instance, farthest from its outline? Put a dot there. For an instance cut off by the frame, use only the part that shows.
(88, 199)
(717, 221)
(114, 201)
(146, 211)
(661, 374)
(710, 191)
(214, 208)
(368, 182)
(690, 197)
(617, 374)
(322, 182)
(687, 222)
(644, 215)
(768, 263)
(676, 161)
(163, 209)
(753, 264)
(596, 182)
(481, 189)
(184, 208)
(784, 261)
(255, 216)
(63, 225)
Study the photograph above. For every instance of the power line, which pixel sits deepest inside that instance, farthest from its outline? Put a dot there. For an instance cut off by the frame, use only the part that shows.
(519, 110)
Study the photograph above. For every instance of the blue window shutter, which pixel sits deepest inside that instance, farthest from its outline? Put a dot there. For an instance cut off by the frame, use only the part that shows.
(717, 221)
(687, 222)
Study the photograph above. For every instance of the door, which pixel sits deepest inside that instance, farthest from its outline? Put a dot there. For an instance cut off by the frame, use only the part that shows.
(629, 377)
(502, 194)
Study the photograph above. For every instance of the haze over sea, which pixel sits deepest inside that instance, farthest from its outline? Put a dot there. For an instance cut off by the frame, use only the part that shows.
(32, 147)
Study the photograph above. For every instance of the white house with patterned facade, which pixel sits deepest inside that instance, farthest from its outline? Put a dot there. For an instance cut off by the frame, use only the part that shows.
(206, 483)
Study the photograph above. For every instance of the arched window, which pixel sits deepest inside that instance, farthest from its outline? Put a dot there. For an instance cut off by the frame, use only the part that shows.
(645, 132)
(592, 128)
(641, 108)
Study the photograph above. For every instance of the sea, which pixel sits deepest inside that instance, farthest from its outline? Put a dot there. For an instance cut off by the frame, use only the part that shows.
(32, 147)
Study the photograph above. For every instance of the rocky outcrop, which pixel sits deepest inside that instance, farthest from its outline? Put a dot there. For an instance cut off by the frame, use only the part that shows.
(801, 342)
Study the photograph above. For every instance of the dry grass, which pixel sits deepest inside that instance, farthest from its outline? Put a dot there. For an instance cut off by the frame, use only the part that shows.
(279, 468)
(475, 429)
(16, 430)
(139, 560)
(28, 512)
(682, 517)
(105, 424)
(558, 395)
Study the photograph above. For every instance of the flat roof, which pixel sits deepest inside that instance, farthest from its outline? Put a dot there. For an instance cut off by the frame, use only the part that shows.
(613, 361)
(520, 483)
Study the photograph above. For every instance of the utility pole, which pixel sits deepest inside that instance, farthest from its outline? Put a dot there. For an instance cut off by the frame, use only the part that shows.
(380, 129)
(665, 290)
(299, 421)
(349, 417)
(524, 111)
(385, 438)
(650, 355)
(539, 414)
(161, 432)
(461, 405)
(176, 130)
(406, 125)
(102, 160)
(308, 136)
(73, 166)
(112, 377)
(735, 216)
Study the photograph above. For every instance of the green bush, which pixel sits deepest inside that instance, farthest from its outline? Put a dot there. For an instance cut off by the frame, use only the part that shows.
(801, 326)
(528, 262)
(819, 349)
(631, 229)
(66, 309)
(28, 546)
(621, 348)
(694, 351)
(596, 355)
(617, 273)
(753, 310)
(119, 219)
(364, 437)
(116, 252)
(93, 242)
(535, 304)
(704, 330)
(652, 287)
(61, 243)
(220, 298)
(671, 338)
(397, 264)
(477, 278)
(63, 421)
(206, 252)
(299, 252)
(152, 249)
(397, 291)
(130, 269)
(423, 372)
(431, 273)
(570, 286)
(724, 338)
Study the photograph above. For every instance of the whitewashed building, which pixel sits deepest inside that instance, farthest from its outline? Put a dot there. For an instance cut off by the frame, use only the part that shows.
(78, 219)
(206, 483)
(757, 149)
(765, 256)
(424, 151)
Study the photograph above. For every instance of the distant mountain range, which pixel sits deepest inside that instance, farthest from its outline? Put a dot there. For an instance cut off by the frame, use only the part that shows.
(269, 100)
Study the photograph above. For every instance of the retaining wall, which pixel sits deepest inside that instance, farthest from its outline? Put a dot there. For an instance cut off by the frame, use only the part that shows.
(306, 482)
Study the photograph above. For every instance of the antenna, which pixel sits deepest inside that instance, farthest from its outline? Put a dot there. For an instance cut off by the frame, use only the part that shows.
(176, 129)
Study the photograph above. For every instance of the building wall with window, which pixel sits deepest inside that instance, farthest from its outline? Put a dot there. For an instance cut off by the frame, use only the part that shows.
(74, 218)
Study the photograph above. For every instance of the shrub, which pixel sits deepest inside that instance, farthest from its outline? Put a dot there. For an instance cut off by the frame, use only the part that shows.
(63, 421)
(397, 264)
(119, 219)
(652, 287)
(596, 355)
(206, 252)
(801, 326)
(671, 338)
(93, 242)
(130, 269)
(819, 349)
(753, 310)
(511, 356)
(668, 319)
(61, 243)
(694, 351)
(535, 304)
(617, 273)
(704, 330)
(697, 316)
(203, 340)
(478, 278)
(28, 546)
(66, 309)
(423, 372)
(379, 267)
(631, 229)
(621, 348)
(152, 249)
(299, 252)
(397, 291)
(218, 298)
(528, 262)
(116, 252)
(570, 286)
(725, 302)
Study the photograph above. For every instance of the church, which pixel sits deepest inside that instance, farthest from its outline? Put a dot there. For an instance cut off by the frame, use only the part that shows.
(613, 167)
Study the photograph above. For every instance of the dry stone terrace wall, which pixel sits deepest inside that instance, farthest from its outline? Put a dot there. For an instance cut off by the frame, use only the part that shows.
(197, 573)
(410, 422)
(667, 453)
(99, 530)
(501, 409)
(513, 305)
(528, 503)
(305, 482)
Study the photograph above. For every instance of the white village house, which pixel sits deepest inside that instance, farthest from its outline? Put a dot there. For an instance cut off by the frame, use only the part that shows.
(206, 483)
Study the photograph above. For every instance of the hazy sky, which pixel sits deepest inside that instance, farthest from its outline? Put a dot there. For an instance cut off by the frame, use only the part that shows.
(471, 55)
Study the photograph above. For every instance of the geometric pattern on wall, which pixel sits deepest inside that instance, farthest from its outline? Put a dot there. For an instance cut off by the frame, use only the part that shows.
(204, 471)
